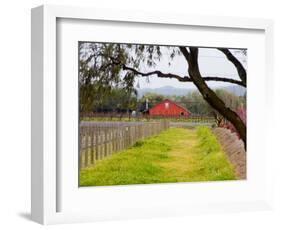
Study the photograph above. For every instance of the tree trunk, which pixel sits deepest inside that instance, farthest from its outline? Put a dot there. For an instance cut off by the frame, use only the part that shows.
(209, 95)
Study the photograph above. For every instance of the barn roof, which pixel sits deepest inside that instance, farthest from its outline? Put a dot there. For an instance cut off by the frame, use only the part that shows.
(168, 100)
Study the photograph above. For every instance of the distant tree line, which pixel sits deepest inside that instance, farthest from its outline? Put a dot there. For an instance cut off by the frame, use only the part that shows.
(119, 100)
(194, 101)
(107, 100)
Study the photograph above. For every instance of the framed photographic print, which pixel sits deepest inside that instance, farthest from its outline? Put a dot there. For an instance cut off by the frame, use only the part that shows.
(140, 114)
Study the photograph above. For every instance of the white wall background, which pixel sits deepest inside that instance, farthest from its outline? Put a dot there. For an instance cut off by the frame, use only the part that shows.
(15, 113)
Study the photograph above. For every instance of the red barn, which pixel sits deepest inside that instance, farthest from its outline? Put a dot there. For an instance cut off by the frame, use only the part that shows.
(168, 108)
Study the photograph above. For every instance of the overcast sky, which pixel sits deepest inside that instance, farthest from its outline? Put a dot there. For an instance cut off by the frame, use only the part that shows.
(212, 62)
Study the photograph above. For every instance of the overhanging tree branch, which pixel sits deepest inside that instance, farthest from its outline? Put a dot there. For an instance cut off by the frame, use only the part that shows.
(223, 79)
(240, 68)
(158, 73)
(179, 78)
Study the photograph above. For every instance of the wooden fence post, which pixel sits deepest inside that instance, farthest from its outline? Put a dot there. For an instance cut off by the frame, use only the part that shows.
(86, 148)
(80, 147)
(97, 142)
(92, 146)
(105, 141)
(101, 143)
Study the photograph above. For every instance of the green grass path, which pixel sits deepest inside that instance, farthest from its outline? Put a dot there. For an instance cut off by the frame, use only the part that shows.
(176, 155)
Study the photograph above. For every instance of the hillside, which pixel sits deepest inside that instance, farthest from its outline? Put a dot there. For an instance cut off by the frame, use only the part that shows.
(170, 90)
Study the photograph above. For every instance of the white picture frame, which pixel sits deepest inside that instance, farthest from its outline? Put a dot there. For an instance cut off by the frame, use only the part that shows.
(45, 163)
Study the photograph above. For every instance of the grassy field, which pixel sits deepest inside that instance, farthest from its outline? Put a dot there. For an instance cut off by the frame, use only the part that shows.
(176, 155)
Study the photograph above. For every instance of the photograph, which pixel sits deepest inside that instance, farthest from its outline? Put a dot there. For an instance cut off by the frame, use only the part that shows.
(151, 114)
